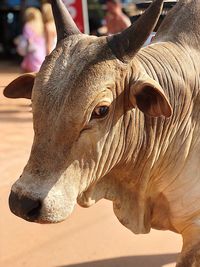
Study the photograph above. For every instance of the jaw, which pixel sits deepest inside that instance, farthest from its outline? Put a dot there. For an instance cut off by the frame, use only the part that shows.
(93, 194)
(106, 187)
(85, 201)
(131, 209)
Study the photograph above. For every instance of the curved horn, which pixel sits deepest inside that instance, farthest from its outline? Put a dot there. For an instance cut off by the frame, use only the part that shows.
(127, 43)
(65, 26)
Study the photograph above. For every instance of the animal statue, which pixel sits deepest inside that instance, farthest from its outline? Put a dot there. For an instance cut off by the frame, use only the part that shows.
(119, 121)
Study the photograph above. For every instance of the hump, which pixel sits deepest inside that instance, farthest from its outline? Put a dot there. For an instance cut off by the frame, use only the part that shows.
(181, 24)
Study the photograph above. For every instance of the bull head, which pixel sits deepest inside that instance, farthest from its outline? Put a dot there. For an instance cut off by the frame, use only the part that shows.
(85, 99)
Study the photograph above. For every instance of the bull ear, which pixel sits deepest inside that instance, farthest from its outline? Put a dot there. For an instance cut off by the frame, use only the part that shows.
(150, 98)
(21, 87)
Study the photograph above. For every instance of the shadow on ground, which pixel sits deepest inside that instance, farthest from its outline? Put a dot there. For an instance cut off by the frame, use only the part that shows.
(12, 115)
(15, 120)
(132, 261)
(11, 67)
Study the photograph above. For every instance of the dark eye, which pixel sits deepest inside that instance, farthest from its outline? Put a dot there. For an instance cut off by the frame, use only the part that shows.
(100, 112)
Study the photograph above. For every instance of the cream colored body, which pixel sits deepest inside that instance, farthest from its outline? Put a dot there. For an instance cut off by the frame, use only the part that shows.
(143, 155)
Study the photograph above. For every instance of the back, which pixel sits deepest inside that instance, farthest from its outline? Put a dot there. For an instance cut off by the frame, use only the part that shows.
(182, 24)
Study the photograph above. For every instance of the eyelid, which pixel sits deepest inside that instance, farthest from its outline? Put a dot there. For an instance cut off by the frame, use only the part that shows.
(104, 102)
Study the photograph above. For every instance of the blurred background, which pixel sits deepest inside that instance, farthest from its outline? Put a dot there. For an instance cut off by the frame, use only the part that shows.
(12, 13)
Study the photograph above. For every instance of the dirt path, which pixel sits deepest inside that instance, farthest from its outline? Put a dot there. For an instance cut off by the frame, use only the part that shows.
(89, 238)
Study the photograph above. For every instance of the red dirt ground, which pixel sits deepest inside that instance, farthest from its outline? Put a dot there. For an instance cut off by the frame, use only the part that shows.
(89, 238)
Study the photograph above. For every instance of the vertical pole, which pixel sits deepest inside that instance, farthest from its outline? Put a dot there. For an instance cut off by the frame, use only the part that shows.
(85, 17)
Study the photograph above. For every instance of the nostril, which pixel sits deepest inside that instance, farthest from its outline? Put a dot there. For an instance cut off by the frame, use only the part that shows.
(22, 206)
(35, 211)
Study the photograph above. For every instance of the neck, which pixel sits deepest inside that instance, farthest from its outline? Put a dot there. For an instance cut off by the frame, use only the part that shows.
(162, 63)
(156, 148)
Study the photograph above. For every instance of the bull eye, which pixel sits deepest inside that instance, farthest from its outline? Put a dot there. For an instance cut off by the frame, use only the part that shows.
(100, 112)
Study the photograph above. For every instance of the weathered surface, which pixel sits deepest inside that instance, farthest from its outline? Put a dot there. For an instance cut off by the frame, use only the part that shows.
(111, 122)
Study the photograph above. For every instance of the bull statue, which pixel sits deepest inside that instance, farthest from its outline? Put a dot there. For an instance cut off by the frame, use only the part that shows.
(119, 121)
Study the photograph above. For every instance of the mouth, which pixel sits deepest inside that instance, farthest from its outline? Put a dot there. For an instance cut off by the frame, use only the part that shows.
(39, 211)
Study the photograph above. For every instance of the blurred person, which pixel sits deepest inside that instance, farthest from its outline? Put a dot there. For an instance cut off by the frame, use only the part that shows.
(31, 44)
(49, 27)
(116, 21)
(96, 27)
